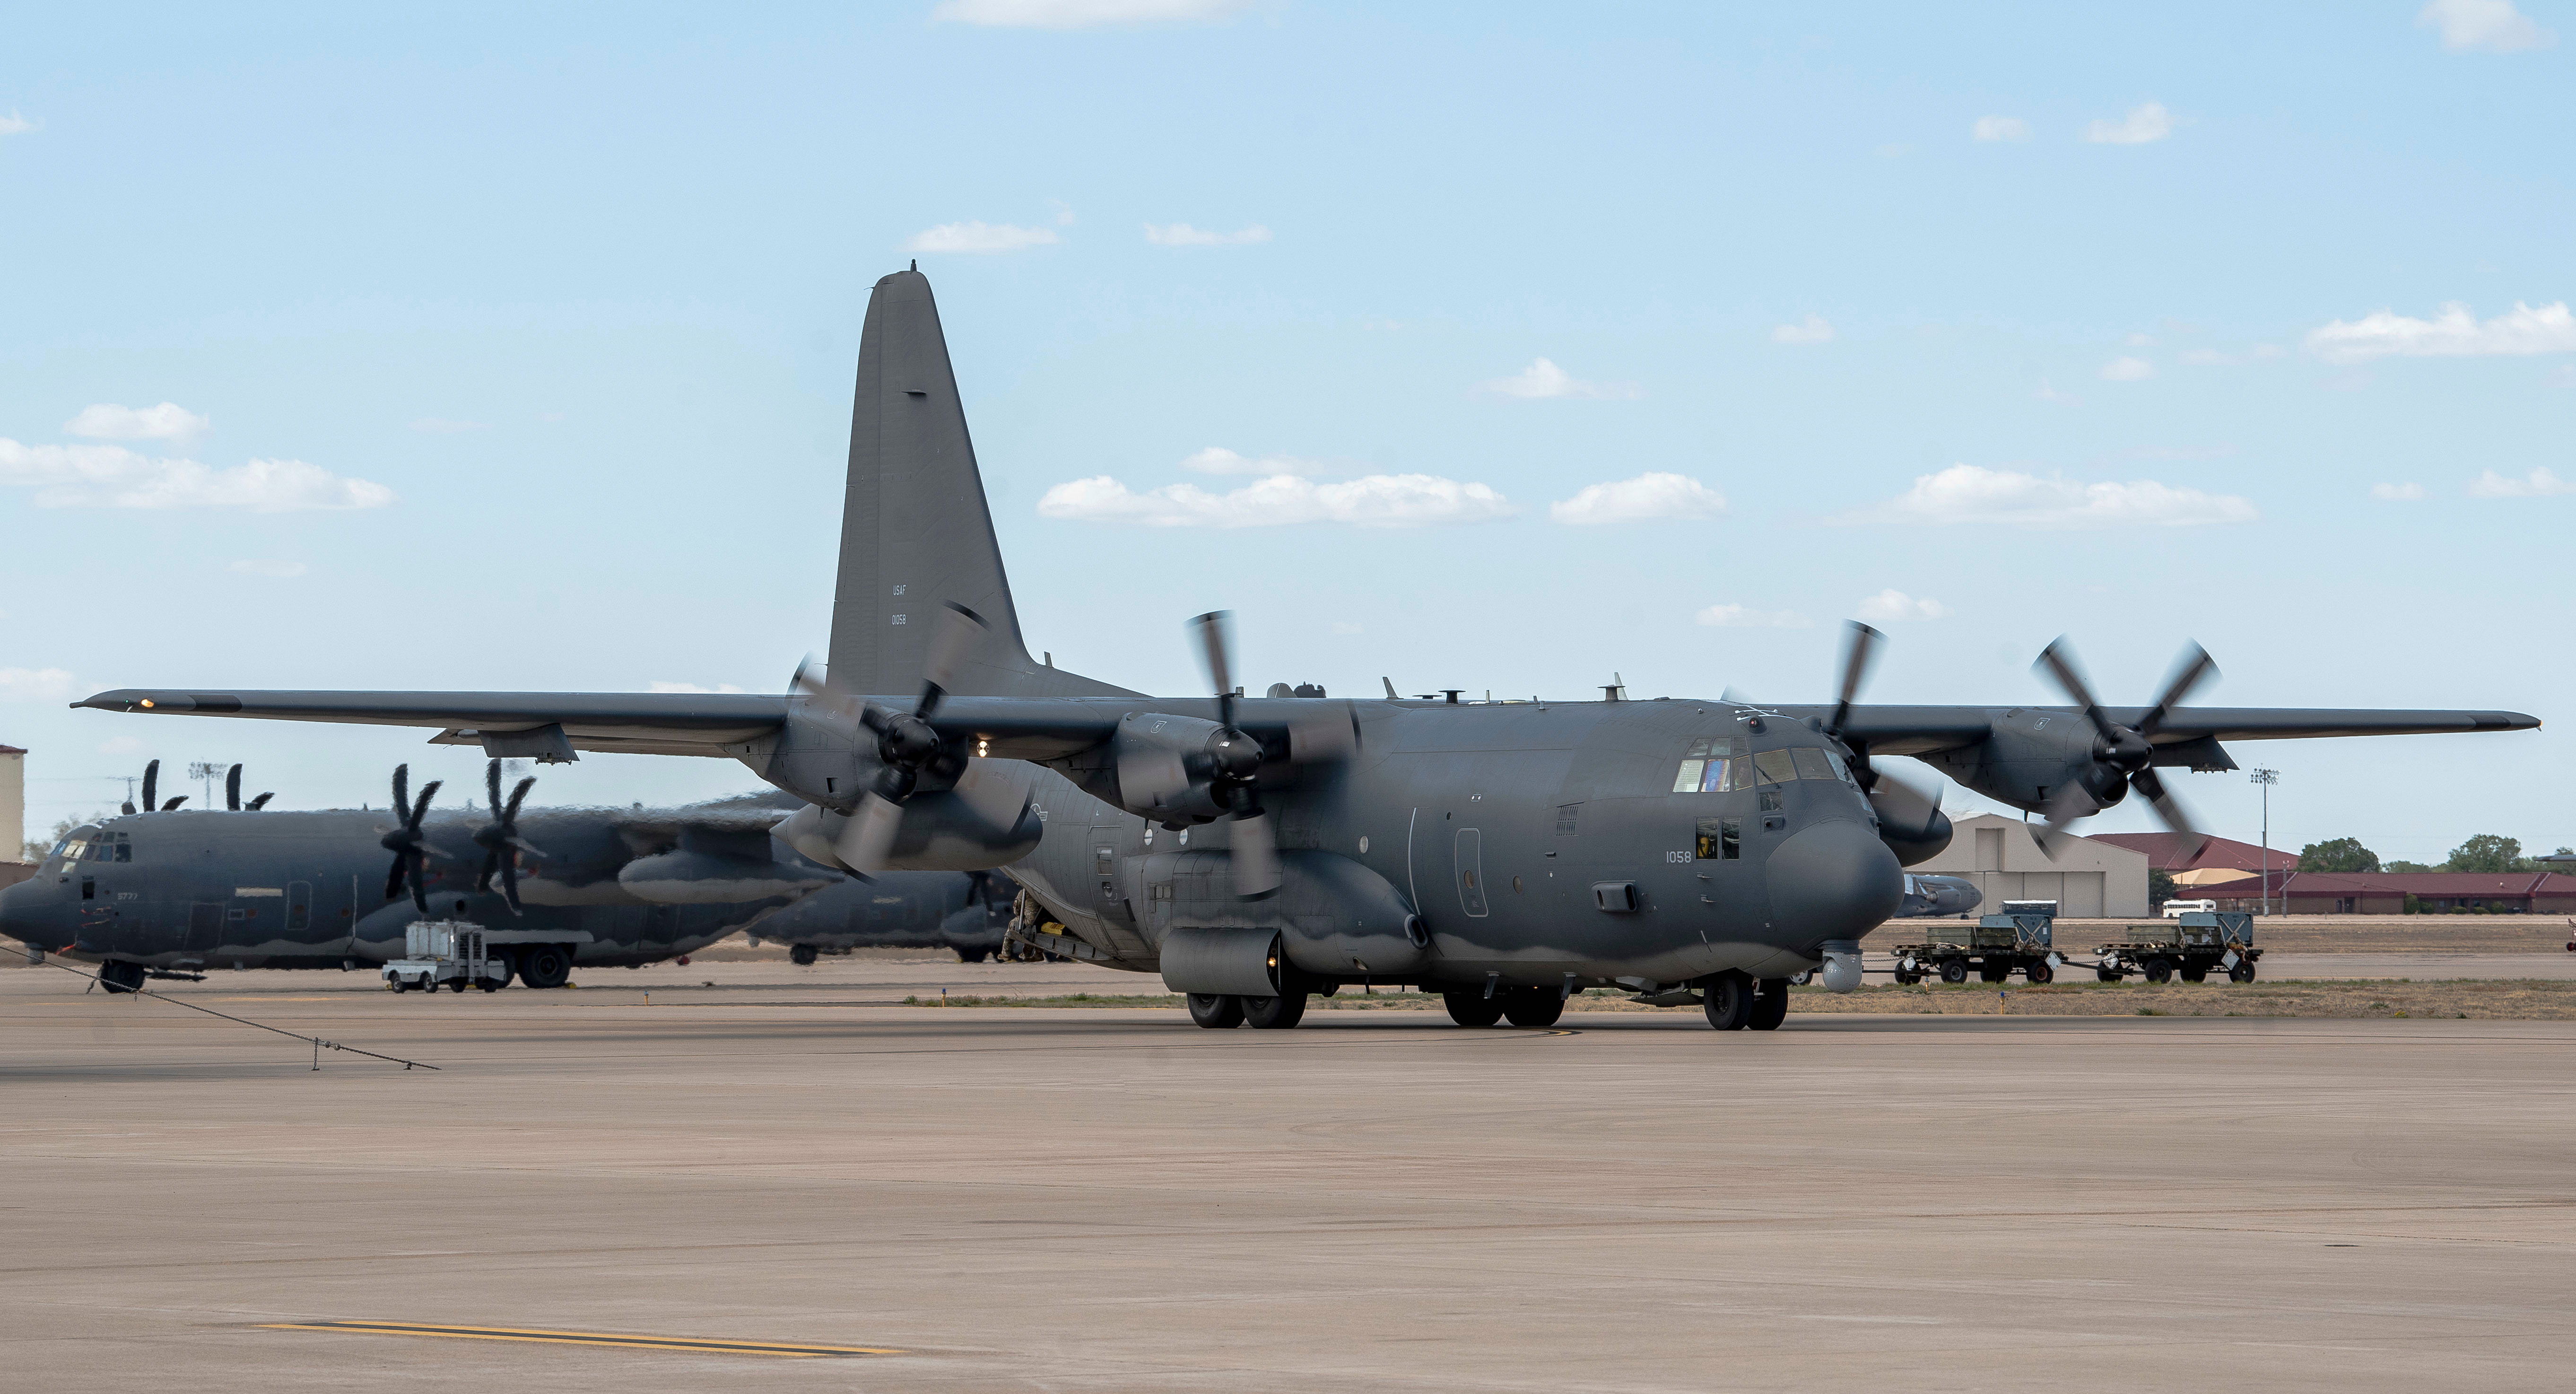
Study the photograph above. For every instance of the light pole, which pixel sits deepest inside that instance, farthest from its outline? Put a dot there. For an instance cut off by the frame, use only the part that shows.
(207, 772)
(2267, 778)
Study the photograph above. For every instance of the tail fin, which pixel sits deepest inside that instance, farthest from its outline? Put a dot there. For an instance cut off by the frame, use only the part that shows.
(915, 530)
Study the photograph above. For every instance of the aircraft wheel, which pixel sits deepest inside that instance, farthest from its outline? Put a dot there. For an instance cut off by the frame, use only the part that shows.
(1469, 1007)
(1905, 979)
(1993, 972)
(1770, 1005)
(1531, 1006)
(1216, 1011)
(2158, 970)
(2109, 975)
(2243, 972)
(1954, 970)
(802, 954)
(1729, 1001)
(117, 975)
(544, 965)
(2195, 975)
(971, 955)
(2039, 973)
(1274, 1013)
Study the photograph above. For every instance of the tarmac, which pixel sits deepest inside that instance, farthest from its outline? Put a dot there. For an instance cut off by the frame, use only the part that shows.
(755, 1187)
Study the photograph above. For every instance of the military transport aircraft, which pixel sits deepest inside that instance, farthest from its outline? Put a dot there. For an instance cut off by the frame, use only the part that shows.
(173, 893)
(968, 913)
(1254, 851)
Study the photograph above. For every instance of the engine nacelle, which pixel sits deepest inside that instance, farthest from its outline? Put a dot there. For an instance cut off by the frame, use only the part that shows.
(1335, 918)
(2028, 755)
(1163, 765)
(686, 877)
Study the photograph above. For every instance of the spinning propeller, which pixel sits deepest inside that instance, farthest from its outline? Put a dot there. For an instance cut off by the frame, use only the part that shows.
(1906, 814)
(907, 744)
(2122, 755)
(232, 793)
(152, 787)
(500, 838)
(1236, 762)
(411, 851)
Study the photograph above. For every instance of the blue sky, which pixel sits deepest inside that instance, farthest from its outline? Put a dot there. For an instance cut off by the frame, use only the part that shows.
(2133, 326)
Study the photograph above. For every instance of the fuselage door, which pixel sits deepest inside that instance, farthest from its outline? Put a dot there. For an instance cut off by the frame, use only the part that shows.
(205, 927)
(299, 908)
(1471, 872)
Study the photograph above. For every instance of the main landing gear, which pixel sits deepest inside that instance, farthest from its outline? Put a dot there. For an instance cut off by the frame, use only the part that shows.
(1521, 1006)
(1218, 1012)
(802, 955)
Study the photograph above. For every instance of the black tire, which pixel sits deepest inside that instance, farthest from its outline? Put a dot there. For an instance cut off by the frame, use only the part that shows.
(489, 985)
(1729, 1003)
(1471, 1007)
(2243, 972)
(1905, 979)
(117, 975)
(1532, 1006)
(544, 965)
(1274, 1013)
(1993, 972)
(2039, 973)
(1770, 1005)
(801, 955)
(458, 984)
(2109, 975)
(972, 955)
(1216, 1011)
(1954, 970)
(2158, 970)
(2195, 974)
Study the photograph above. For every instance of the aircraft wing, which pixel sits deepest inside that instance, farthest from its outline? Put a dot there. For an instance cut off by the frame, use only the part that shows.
(1898, 730)
(654, 723)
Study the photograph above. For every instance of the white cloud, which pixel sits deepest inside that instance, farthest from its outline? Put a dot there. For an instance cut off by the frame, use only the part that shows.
(276, 570)
(2140, 340)
(2207, 358)
(2128, 370)
(2145, 123)
(14, 124)
(1648, 498)
(1746, 617)
(108, 421)
(1183, 235)
(1347, 627)
(2047, 393)
(34, 684)
(1543, 379)
(1216, 459)
(2452, 333)
(2001, 128)
(1378, 500)
(2397, 493)
(975, 237)
(441, 426)
(1814, 329)
(2483, 26)
(1971, 494)
(1892, 605)
(689, 687)
(2540, 483)
(1079, 14)
(111, 476)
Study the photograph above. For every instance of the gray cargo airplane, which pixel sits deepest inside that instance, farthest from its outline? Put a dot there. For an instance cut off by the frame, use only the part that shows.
(1256, 851)
(968, 913)
(171, 893)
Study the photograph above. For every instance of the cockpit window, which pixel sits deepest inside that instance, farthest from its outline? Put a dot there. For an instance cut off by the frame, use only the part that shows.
(1811, 762)
(74, 849)
(1709, 766)
(1774, 767)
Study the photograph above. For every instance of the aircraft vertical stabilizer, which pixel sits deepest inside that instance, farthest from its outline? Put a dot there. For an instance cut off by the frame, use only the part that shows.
(915, 530)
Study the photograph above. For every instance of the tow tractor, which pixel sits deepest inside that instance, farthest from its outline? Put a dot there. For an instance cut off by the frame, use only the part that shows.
(2189, 946)
(1995, 946)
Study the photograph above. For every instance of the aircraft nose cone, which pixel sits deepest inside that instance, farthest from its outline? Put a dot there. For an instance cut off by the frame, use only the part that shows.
(1832, 881)
(19, 916)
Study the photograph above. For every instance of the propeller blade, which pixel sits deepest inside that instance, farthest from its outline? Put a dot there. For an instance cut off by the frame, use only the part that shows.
(261, 802)
(1256, 856)
(1860, 651)
(2176, 818)
(2070, 680)
(959, 629)
(2194, 667)
(869, 840)
(151, 786)
(491, 866)
(420, 806)
(1214, 632)
(416, 867)
(1903, 809)
(402, 789)
(492, 784)
(171, 803)
(232, 789)
(394, 879)
(519, 795)
(2070, 803)
(510, 884)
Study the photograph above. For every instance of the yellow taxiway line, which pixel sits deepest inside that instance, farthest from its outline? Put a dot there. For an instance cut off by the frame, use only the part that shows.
(793, 1351)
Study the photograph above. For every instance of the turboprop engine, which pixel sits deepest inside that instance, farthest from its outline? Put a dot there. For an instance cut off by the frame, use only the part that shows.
(1331, 916)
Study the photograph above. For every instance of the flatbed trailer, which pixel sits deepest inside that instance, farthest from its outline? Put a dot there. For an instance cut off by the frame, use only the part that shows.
(1994, 948)
(2191, 947)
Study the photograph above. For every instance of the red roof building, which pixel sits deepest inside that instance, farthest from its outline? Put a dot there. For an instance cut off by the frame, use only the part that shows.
(2386, 893)
(2165, 853)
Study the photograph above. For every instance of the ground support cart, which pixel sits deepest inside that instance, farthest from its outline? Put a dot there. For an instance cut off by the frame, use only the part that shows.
(452, 952)
(1995, 947)
(2192, 947)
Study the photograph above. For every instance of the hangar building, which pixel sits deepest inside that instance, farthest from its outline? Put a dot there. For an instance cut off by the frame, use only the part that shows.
(2089, 879)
